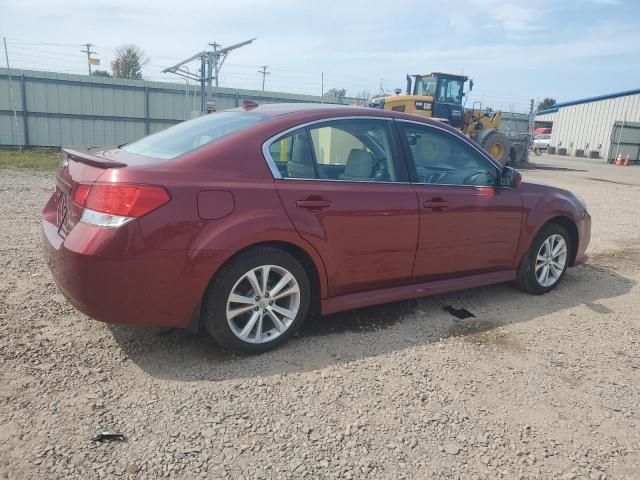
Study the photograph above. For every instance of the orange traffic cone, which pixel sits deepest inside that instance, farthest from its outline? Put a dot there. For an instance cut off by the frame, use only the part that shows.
(619, 160)
(626, 161)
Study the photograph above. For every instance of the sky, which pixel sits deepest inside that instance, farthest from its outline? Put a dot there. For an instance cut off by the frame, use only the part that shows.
(514, 50)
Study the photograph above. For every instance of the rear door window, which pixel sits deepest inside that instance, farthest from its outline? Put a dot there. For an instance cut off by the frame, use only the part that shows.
(355, 150)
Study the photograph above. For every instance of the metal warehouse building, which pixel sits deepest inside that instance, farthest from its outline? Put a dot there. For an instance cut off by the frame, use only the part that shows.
(599, 127)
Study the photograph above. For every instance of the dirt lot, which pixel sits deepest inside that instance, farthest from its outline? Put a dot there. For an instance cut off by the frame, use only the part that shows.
(532, 387)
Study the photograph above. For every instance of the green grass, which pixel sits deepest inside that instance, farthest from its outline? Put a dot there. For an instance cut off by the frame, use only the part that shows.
(30, 159)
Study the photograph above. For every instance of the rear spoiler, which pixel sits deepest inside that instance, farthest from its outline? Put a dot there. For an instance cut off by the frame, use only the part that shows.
(90, 159)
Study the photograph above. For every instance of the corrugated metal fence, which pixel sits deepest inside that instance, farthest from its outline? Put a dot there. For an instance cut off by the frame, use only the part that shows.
(55, 109)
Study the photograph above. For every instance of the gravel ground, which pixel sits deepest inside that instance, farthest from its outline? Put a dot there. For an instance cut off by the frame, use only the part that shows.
(532, 387)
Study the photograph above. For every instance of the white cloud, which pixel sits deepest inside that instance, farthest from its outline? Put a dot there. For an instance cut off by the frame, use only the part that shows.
(517, 17)
(460, 22)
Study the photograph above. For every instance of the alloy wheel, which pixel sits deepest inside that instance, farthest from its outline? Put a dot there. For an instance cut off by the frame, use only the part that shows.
(551, 260)
(263, 304)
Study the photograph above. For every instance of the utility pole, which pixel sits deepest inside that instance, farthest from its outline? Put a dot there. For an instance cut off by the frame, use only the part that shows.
(211, 62)
(209, 75)
(531, 106)
(219, 55)
(13, 104)
(263, 71)
(89, 53)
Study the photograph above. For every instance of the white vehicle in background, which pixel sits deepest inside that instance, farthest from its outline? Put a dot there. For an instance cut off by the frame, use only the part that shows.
(541, 143)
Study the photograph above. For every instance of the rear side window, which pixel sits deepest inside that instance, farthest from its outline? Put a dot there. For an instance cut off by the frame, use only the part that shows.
(294, 156)
(189, 135)
(345, 150)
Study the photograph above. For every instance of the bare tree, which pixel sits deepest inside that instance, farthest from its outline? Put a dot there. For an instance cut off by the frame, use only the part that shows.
(129, 62)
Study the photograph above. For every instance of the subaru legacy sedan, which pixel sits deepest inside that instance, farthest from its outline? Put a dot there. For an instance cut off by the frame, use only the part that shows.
(244, 221)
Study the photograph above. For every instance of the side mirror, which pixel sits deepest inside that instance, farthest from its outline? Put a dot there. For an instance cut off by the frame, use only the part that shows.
(510, 177)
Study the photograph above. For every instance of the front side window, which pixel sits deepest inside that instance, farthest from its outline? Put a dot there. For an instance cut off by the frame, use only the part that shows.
(189, 135)
(347, 150)
(450, 90)
(425, 86)
(442, 158)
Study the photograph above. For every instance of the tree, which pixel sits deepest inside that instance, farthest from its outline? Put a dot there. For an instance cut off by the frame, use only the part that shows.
(100, 73)
(335, 93)
(546, 103)
(129, 62)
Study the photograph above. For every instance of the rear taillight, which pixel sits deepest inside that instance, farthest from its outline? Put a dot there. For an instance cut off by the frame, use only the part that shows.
(81, 194)
(113, 205)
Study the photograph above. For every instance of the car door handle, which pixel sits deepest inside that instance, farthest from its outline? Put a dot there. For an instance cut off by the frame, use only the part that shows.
(313, 204)
(439, 204)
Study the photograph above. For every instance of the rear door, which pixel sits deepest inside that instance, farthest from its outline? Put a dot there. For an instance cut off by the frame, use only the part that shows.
(467, 224)
(346, 189)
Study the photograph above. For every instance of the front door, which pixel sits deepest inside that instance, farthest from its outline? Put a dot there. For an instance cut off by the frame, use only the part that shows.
(467, 224)
(346, 190)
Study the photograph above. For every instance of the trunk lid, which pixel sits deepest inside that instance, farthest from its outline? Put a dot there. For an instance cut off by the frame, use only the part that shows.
(78, 167)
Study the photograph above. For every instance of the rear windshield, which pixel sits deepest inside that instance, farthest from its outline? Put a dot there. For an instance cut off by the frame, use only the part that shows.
(189, 135)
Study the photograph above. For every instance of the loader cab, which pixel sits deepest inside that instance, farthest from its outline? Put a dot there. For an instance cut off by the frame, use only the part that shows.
(447, 92)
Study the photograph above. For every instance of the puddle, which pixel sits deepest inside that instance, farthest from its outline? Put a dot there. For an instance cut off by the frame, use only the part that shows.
(470, 327)
(483, 332)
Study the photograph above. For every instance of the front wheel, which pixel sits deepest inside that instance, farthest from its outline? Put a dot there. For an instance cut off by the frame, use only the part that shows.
(257, 301)
(537, 151)
(546, 262)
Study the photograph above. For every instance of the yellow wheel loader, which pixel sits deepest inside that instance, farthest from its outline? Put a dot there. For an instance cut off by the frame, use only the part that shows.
(440, 96)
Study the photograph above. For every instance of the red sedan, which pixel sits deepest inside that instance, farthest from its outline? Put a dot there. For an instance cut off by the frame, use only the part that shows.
(242, 221)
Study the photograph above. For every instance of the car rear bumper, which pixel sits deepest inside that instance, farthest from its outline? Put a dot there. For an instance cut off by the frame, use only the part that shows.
(584, 236)
(108, 275)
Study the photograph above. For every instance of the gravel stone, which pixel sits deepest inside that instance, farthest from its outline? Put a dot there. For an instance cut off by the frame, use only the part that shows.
(452, 448)
(531, 387)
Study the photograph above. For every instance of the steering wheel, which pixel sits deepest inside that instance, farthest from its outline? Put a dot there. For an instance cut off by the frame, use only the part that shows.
(483, 179)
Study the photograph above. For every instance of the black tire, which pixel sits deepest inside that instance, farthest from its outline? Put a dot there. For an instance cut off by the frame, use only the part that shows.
(214, 305)
(489, 138)
(526, 279)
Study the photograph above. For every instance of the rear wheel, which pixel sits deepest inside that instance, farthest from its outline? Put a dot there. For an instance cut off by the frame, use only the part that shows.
(544, 265)
(257, 301)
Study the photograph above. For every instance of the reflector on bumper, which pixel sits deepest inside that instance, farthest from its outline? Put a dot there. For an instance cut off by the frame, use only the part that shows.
(99, 219)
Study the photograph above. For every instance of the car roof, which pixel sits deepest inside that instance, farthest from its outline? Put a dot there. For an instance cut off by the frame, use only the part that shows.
(303, 111)
(278, 109)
